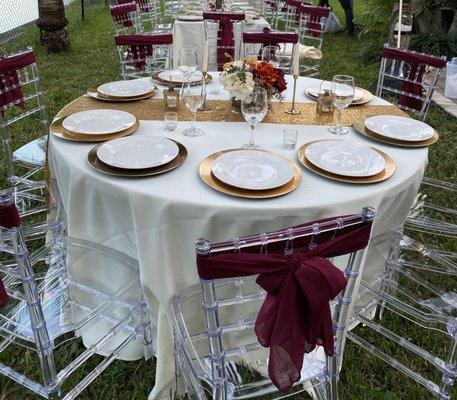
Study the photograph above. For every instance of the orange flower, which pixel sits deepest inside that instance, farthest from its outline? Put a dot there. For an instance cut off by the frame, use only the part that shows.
(265, 73)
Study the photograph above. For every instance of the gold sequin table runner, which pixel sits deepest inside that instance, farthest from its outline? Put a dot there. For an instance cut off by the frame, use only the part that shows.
(220, 111)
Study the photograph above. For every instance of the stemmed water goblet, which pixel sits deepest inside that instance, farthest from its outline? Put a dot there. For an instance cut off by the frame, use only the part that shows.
(254, 107)
(187, 62)
(342, 94)
(193, 97)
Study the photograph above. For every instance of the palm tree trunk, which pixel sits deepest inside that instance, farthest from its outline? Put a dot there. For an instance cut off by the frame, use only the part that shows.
(52, 23)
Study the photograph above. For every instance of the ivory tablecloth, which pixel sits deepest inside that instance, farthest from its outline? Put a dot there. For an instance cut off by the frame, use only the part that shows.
(158, 219)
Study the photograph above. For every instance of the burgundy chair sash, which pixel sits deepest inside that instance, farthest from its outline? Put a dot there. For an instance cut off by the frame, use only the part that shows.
(295, 316)
(121, 11)
(268, 37)
(142, 4)
(315, 14)
(9, 218)
(10, 86)
(417, 65)
(139, 47)
(225, 37)
(272, 4)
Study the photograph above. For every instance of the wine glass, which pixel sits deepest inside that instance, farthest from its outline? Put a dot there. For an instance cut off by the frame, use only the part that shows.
(187, 62)
(342, 94)
(193, 97)
(271, 55)
(254, 107)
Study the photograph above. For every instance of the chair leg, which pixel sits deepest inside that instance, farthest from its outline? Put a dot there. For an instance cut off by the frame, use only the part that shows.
(146, 327)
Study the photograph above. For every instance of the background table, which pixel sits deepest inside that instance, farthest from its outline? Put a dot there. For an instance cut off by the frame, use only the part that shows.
(191, 34)
(158, 219)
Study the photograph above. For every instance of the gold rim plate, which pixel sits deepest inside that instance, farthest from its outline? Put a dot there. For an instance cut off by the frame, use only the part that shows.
(208, 177)
(93, 92)
(140, 173)
(359, 126)
(367, 97)
(389, 169)
(58, 130)
(155, 77)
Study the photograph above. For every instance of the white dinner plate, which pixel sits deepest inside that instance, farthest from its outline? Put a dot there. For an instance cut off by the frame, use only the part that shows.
(345, 158)
(133, 88)
(358, 94)
(252, 169)
(177, 76)
(400, 128)
(98, 122)
(136, 152)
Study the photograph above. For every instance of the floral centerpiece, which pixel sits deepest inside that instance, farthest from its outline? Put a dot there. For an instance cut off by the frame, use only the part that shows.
(242, 76)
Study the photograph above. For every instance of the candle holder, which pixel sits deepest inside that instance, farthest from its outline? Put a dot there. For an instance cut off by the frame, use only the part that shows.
(204, 107)
(293, 110)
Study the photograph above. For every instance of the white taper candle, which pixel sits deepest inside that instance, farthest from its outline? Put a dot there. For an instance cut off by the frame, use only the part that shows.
(296, 60)
(205, 56)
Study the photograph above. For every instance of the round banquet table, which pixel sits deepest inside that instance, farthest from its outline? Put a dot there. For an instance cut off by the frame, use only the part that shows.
(158, 219)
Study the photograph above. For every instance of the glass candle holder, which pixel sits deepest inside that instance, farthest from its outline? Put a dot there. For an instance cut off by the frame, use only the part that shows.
(171, 121)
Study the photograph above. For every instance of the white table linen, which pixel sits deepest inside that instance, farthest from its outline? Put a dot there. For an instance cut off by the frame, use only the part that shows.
(158, 219)
(188, 34)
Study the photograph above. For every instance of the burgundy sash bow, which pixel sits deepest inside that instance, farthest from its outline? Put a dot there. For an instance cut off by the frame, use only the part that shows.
(225, 36)
(139, 47)
(120, 13)
(315, 14)
(9, 218)
(417, 65)
(10, 86)
(270, 38)
(295, 316)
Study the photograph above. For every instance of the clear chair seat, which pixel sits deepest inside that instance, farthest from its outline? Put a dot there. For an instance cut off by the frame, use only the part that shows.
(77, 301)
(33, 153)
(246, 359)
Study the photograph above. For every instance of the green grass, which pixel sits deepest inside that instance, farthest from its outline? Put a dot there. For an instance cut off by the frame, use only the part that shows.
(92, 59)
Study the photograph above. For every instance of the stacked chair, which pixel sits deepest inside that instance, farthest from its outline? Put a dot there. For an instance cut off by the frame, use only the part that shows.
(49, 299)
(229, 358)
(142, 55)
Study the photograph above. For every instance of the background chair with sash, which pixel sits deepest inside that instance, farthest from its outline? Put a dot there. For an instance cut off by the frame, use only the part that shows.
(410, 76)
(49, 299)
(253, 43)
(294, 288)
(220, 29)
(142, 55)
(126, 18)
(22, 113)
(152, 18)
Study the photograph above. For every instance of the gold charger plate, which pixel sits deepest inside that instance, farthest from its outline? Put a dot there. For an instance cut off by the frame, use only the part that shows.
(155, 77)
(212, 181)
(93, 92)
(139, 173)
(58, 130)
(359, 126)
(389, 169)
(367, 97)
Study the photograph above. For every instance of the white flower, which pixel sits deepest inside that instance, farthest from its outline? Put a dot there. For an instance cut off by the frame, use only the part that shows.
(238, 83)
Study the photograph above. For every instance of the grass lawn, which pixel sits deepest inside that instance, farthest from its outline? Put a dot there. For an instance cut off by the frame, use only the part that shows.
(92, 59)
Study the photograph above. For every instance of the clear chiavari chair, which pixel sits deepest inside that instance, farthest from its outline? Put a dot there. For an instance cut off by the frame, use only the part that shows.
(218, 354)
(151, 15)
(220, 30)
(270, 12)
(126, 18)
(410, 292)
(53, 299)
(22, 109)
(430, 217)
(143, 55)
(410, 77)
(252, 44)
(287, 15)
